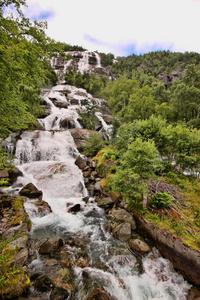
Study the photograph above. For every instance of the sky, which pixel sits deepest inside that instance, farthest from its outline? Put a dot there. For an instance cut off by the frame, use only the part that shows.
(121, 27)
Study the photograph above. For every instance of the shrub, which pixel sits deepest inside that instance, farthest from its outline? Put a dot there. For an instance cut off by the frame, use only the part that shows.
(93, 144)
(161, 200)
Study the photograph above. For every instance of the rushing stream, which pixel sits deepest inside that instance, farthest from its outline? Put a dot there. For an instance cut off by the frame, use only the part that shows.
(46, 158)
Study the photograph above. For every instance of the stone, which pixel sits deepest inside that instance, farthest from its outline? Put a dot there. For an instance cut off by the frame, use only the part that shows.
(79, 135)
(20, 258)
(51, 246)
(85, 199)
(104, 202)
(185, 259)
(108, 118)
(139, 246)
(19, 243)
(86, 174)
(13, 174)
(30, 191)
(123, 215)
(43, 207)
(44, 283)
(59, 293)
(67, 123)
(99, 294)
(80, 162)
(75, 208)
(122, 231)
(194, 294)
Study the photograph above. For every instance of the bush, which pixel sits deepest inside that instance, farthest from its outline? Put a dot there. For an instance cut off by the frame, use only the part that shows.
(161, 200)
(93, 144)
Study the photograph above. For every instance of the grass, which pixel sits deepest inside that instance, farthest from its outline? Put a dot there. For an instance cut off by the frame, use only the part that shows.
(184, 221)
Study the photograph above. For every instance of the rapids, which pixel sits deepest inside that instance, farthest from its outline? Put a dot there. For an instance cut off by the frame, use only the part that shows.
(46, 158)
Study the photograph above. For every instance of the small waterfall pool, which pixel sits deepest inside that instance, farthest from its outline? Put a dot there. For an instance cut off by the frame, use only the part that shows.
(46, 159)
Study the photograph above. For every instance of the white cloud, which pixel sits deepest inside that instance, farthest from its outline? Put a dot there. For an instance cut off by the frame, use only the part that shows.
(113, 26)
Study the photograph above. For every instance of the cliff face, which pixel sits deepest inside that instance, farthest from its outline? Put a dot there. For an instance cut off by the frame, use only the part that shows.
(185, 259)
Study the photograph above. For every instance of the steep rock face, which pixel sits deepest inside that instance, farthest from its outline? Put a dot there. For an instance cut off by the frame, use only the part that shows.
(184, 258)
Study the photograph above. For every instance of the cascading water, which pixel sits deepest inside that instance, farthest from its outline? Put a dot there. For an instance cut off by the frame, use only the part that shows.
(46, 159)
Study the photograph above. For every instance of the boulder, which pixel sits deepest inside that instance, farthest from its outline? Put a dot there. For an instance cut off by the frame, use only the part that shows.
(108, 118)
(99, 294)
(20, 258)
(104, 202)
(122, 231)
(44, 284)
(75, 208)
(67, 123)
(19, 243)
(124, 216)
(80, 162)
(185, 259)
(13, 174)
(139, 246)
(79, 135)
(43, 207)
(194, 294)
(59, 293)
(30, 191)
(51, 246)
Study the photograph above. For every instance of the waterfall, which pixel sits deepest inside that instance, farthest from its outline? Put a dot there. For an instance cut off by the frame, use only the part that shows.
(47, 159)
(98, 58)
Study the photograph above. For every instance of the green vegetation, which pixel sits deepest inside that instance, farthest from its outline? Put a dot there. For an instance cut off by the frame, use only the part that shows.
(87, 81)
(161, 200)
(93, 144)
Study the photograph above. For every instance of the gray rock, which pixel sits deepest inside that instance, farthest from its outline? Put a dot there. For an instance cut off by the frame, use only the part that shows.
(51, 246)
(122, 231)
(139, 246)
(104, 202)
(20, 258)
(19, 243)
(123, 215)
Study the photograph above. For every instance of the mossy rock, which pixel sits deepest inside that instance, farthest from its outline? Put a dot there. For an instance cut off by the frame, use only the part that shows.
(15, 287)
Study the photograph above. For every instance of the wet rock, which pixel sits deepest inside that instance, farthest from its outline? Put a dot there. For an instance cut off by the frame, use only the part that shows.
(83, 262)
(75, 208)
(20, 258)
(194, 294)
(80, 162)
(139, 246)
(93, 164)
(13, 174)
(122, 231)
(44, 283)
(59, 293)
(51, 246)
(43, 207)
(85, 199)
(123, 215)
(67, 123)
(51, 262)
(30, 191)
(99, 294)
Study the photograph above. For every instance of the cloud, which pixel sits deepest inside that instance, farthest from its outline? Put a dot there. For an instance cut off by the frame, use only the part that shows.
(122, 27)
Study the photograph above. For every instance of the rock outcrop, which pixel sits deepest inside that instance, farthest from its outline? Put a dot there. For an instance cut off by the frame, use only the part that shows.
(184, 258)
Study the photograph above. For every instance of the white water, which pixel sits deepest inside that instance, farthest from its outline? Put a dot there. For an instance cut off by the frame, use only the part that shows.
(47, 158)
